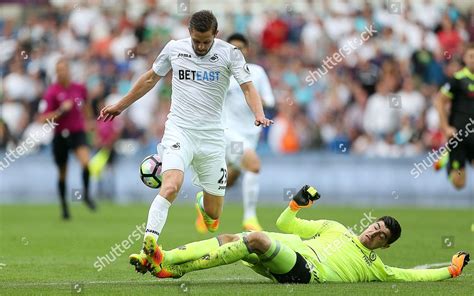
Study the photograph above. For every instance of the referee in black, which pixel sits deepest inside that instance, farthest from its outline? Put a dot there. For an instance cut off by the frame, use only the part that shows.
(458, 124)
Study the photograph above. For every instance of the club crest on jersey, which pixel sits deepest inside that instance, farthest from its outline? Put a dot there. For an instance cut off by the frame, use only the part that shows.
(184, 55)
(176, 146)
(214, 58)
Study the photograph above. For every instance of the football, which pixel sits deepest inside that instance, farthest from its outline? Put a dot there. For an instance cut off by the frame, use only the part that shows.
(150, 171)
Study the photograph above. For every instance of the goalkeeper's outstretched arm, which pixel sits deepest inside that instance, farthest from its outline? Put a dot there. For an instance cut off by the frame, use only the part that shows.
(458, 262)
(289, 223)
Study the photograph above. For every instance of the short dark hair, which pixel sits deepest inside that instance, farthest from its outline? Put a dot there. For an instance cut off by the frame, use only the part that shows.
(238, 37)
(394, 227)
(203, 21)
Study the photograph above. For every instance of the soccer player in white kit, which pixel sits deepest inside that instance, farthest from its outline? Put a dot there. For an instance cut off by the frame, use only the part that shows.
(242, 136)
(194, 134)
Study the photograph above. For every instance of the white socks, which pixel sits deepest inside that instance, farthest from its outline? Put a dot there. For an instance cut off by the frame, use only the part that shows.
(250, 191)
(157, 216)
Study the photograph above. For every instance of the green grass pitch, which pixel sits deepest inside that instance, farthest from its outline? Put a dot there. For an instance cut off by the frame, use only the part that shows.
(42, 255)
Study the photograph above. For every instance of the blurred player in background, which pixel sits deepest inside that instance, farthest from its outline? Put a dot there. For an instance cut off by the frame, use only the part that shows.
(458, 124)
(102, 164)
(194, 135)
(242, 136)
(65, 103)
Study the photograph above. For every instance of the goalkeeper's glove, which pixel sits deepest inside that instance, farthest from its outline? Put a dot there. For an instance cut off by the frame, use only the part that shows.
(304, 198)
(459, 260)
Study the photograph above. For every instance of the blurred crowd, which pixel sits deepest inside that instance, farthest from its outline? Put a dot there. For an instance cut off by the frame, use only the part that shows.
(376, 100)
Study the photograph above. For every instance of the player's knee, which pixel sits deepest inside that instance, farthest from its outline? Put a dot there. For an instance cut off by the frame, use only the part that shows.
(170, 189)
(254, 167)
(258, 241)
(251, 162)
(458, 183)
(458, 180)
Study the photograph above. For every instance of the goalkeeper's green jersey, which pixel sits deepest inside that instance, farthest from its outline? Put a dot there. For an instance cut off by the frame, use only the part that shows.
(339, 256)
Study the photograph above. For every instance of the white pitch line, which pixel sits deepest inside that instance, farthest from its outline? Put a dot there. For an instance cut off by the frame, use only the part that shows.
(432, 265)
(157, 281)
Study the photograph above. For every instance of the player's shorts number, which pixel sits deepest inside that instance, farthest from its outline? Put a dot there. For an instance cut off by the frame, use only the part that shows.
(223, 179)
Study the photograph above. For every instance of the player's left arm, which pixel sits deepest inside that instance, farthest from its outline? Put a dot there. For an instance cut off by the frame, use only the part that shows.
(255, 103)
(265, 89)
(241, 72)
(458, 262)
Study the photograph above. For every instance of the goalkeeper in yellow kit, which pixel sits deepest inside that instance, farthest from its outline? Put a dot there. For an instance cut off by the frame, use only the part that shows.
(308, 252)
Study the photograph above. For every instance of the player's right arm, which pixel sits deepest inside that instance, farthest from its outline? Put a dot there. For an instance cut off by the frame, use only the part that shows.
(443, 98)
(289, 223)
(144, 84)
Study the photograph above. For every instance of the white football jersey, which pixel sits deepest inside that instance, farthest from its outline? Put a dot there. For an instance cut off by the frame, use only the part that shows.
(237, 114)
(200, 83)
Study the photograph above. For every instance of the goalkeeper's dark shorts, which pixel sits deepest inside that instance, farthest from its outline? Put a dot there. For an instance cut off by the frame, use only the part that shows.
(299, 274)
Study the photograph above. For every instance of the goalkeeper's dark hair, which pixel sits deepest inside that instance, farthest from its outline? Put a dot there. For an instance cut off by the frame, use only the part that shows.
(238, 37)
(203, 21)
(394, 227)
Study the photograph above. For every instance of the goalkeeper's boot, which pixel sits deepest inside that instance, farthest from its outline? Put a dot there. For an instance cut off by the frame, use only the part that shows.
(459, 260)
(140, 262)
(169, 271)
(211, 224)
(252, 224)
(442, 161)
(153, 253)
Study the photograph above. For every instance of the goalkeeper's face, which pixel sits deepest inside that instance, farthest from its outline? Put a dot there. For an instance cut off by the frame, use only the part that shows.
(202, 41)
(375, 236)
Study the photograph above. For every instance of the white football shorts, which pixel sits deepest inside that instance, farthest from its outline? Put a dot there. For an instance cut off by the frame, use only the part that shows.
(203, 151)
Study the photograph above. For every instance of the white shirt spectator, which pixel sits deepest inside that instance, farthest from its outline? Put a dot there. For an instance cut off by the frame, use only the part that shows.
(426, 13)
(20, 87)
(413, 103)
(121, 44)
(337, 27)
(82, 19)
(310, 35)
(342, 7)
(15, 116)
(379, 117)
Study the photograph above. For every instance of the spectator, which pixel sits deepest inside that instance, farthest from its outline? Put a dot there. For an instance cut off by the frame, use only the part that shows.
(410, 54)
